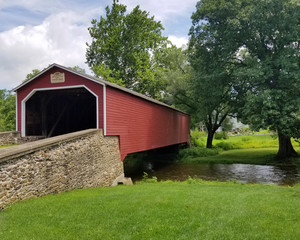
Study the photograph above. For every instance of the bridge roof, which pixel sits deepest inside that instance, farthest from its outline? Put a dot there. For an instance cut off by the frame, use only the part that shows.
(99, 81)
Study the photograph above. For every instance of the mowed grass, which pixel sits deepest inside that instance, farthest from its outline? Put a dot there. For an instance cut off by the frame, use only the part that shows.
(166, 210)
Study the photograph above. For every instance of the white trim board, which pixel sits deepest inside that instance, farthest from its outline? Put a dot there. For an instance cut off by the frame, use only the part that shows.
(104, 110)
(16, 111)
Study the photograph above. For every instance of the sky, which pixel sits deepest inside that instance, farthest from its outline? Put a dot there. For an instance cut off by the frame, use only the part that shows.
(37, 33)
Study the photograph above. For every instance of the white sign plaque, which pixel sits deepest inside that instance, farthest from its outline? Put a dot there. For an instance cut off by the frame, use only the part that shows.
(57, 77)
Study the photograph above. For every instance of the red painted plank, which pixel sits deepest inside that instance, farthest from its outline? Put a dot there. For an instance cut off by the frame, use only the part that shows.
(143, 125)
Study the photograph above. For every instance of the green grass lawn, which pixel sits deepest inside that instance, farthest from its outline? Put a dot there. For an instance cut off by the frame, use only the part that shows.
(250, 149)
(167, 210)
(257, 140)
(247, 156)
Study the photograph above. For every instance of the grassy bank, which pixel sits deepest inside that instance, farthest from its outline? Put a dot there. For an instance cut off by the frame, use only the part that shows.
(199, 210)
(263, 156)
(250, 149)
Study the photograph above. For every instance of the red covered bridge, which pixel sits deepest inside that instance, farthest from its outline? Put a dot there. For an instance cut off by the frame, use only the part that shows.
(59, 100)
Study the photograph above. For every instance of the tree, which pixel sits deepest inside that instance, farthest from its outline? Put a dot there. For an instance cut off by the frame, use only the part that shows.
(7, 111)
(124, 49)
(272, 53)
(212, 81)
(32, 74)
(259, 44)
(175, 72)
(77, 69)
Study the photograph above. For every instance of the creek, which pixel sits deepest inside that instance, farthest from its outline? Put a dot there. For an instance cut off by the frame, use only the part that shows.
(245, 173)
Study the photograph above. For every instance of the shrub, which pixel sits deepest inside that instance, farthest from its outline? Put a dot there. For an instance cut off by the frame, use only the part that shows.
(198, 152)
(146, 178)
(198, 138)
(221, 135)
(246, 139)
(226, 145)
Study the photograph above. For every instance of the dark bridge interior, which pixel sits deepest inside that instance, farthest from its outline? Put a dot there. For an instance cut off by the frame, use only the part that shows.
(55, 112)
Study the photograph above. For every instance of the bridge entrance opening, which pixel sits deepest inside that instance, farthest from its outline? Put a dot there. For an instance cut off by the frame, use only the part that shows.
(55, 112)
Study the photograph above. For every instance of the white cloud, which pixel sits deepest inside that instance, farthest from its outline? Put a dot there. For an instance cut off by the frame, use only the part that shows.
(178, 41)
(163, 10)
(62, 35)
(61, 38)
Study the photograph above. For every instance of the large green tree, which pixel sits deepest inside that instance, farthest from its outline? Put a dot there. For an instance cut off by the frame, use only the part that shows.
(125, 47)
(209, 54)
(7, 111)
(256, 44)
(272, 53)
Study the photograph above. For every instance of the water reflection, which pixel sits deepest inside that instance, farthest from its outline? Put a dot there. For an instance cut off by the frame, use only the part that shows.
(246, 173)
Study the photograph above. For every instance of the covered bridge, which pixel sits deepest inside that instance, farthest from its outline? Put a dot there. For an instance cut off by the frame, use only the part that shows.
(60, 100)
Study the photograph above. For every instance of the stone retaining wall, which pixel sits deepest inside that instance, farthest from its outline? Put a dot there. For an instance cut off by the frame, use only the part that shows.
(76, 160)
(7, 138)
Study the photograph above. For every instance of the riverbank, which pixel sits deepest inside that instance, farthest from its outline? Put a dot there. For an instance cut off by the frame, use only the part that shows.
(245, 149)
(262, 156)
(193, 209)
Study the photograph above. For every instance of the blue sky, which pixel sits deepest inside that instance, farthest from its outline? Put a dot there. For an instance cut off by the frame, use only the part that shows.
(36, 33)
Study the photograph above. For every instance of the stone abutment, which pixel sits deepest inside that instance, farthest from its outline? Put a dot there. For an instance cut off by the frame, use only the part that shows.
(77, 160)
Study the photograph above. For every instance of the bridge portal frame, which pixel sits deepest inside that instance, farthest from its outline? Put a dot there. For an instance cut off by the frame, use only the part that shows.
(23, 103)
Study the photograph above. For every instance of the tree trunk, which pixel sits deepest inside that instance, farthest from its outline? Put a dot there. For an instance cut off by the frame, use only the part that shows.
(210, 137)
(286, 149)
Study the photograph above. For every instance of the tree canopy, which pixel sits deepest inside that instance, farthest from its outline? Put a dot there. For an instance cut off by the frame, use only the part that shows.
(33, 73)
(7, 111)
(175, 72)
(125, 49)
(209, 54)
(254, 45)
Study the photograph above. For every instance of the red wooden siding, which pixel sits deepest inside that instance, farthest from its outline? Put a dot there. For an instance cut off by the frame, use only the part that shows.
(71, 79)
(141, 124)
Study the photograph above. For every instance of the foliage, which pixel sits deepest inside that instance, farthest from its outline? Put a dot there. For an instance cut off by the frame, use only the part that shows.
(175, 72)
(125, 49)
(226, 145)
(197, 138)
(198, 152)
(169, 210)
(221, 135)
(77, 69)
(212, 81)
(7, 111)
(259, 62)
(273, 57)
(146, 178)
(227, 124)
(33, 73)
